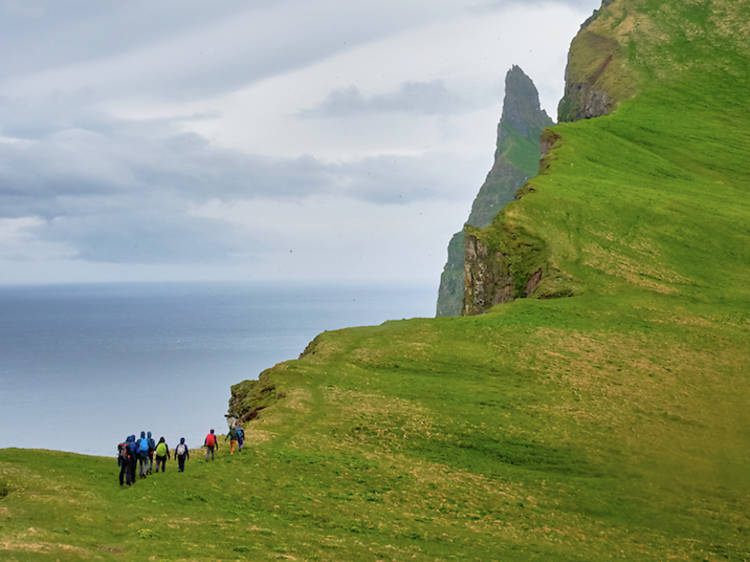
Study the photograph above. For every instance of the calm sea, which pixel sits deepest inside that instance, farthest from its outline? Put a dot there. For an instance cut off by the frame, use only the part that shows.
(82, 366)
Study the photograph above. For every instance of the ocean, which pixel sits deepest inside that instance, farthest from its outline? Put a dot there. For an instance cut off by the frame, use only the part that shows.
(82, 366)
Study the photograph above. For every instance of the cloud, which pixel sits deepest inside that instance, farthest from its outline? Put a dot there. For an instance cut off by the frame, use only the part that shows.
(576, 4)
(343, 239)
(179, 50)
(20, 240)
(428, 98)
(181, 132)
(122, 191)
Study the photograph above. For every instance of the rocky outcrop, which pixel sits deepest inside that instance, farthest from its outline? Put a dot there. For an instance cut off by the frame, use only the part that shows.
(500, 265)
(249, 397)
(593, 16)
(451, 290)
(595, 77)
(585, 95)
(488, 282)
(547, 140)
(516, 160)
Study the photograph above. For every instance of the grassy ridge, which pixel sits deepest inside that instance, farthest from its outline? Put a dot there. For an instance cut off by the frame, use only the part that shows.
(613, 424)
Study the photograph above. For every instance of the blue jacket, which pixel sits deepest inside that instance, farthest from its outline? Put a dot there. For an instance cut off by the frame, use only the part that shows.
(132, 448)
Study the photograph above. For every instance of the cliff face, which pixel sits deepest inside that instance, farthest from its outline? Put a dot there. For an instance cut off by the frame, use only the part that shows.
(491, 278)
(504, 262)
(516, 160)
(596, 76)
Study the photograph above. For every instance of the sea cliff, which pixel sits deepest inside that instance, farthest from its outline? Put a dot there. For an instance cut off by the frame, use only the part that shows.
(516, 160)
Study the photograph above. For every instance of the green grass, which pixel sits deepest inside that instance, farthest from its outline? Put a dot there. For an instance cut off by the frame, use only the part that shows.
(521, 151)
(475, 438)
(612, 424)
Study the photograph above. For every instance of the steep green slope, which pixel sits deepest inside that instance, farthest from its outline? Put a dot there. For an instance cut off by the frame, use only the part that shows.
(652, 197)
(610, 424)
(516, 159)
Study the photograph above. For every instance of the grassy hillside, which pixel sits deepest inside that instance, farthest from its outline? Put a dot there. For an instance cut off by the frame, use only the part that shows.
(612, 424)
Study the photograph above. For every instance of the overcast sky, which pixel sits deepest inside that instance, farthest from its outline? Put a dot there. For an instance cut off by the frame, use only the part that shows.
(263, 140)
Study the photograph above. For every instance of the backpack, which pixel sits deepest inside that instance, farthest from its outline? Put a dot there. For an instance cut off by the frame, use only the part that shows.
(161, 449)
(122, 452)
(181, 449)
(142, 446)
(210, 440)
(151, 445)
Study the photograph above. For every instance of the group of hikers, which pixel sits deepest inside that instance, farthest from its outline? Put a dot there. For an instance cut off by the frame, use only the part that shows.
(140, 453)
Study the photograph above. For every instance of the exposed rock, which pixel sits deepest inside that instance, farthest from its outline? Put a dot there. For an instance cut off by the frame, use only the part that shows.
(516, 160)
(595, 77)
(593, 16)
(450, 293)
(533, 282)
(249, 397)
(547, 140)
(586, 95)
(521, 109)
(488, 282)
(501, 268)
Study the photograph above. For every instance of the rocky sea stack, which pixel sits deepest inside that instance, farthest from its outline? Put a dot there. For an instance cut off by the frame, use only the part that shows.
(516, 160)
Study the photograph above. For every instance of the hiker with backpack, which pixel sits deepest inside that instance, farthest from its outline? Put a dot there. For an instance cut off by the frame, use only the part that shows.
(240, 437)
(162, 454)
(143, 454)
(132, 448)
(210, 443)
(182, 454)
(151, 448)
(233, 438)
(124, 460)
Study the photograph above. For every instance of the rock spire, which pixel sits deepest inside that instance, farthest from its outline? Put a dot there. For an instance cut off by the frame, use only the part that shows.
(516, 160)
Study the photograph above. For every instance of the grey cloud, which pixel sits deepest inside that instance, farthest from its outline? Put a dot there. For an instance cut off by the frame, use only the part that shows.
(145, 236)
(51, 33)
(185, 49)
(122, 192)
(489, 5)
(402, 179)
(29, 118)
(412, 97)
(583, 4)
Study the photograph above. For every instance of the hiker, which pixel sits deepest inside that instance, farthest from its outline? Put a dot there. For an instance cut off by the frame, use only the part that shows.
(210, 443)
(132, 447)
(233, 437)
(162, 454)
(182, 454)
(240, 436)
(143, 454)
(151, 448)
(123, 461)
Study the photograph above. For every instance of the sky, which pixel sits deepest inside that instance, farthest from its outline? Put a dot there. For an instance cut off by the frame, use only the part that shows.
(271, 140)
